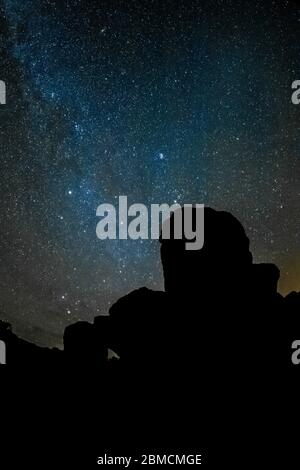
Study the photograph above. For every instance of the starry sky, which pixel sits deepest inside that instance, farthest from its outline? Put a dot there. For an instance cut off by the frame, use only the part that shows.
(162, 101)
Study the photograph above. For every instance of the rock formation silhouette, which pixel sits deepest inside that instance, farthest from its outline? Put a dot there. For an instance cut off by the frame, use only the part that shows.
(216, 343)
(215, 299)
(20, 352)
(207, 360)
(213, 296)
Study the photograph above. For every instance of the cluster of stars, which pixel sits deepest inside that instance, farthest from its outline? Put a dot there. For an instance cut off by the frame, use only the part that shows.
(161, 104)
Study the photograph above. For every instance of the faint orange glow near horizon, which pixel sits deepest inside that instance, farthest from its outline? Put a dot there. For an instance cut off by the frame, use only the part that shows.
(289, 275)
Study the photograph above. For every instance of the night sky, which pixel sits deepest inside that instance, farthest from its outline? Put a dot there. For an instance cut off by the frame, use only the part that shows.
(162, 101)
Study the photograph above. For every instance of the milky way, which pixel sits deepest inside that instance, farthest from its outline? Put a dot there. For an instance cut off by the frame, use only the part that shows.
(161, 101)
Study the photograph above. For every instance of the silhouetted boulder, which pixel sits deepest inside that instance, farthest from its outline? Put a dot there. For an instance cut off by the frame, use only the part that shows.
(21, 352)
(102, 334)
(292, 301)
(223, 263)
(136, 321)
(79, 344)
